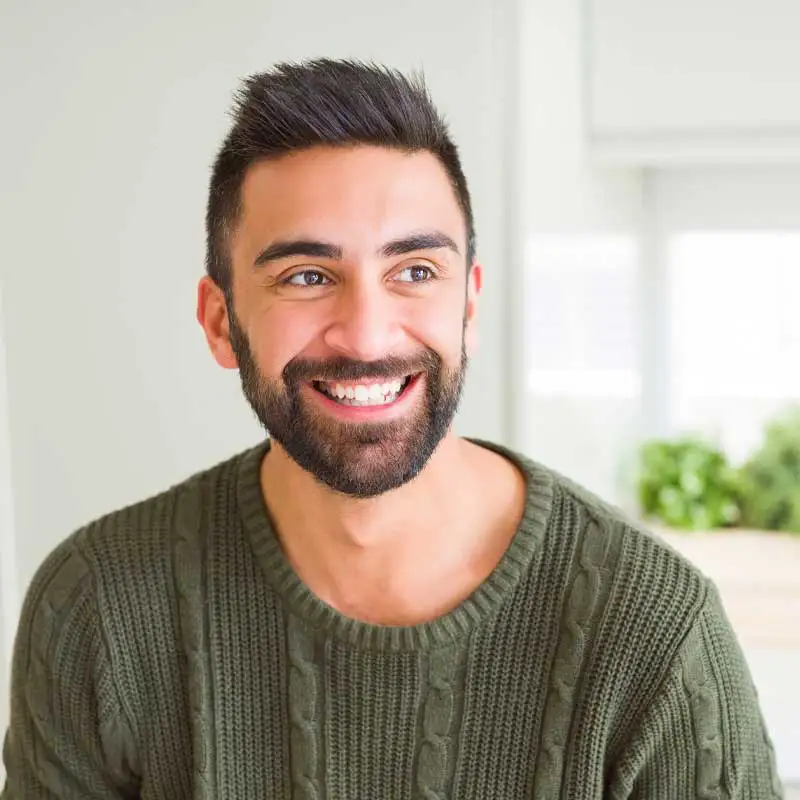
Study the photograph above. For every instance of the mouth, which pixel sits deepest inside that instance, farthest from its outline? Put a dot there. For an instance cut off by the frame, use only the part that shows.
(365, 394)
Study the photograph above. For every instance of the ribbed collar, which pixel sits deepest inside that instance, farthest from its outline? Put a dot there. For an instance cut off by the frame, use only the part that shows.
(484, 602)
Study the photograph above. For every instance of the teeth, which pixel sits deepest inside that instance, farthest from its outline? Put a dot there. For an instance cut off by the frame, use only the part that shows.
(376, 394)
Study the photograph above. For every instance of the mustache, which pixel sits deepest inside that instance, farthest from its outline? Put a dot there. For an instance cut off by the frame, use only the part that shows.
(341, 368)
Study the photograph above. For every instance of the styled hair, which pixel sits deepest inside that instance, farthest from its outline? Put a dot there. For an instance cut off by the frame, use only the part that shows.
(294, 107)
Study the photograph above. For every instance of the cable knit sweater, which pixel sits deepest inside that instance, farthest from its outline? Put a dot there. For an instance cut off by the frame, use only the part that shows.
(168, 650)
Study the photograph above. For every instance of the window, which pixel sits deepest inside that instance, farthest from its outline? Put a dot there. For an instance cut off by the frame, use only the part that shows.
(580, 318)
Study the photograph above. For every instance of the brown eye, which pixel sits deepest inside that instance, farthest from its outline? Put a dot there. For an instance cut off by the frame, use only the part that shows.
(415, 274)
(308, 277)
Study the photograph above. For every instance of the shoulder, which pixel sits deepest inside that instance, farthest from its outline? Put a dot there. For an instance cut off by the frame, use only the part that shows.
(642, 567)
(634, 602)
(590, 530)
(129, 552)
(58, 637)
(652, 590)
(60, 588)
(650, 598)
(139, 536)
(627, 595)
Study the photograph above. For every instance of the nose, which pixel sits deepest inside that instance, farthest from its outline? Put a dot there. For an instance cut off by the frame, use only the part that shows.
(366, 325)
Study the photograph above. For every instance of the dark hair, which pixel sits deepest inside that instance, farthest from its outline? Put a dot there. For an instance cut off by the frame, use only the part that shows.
(322, 102)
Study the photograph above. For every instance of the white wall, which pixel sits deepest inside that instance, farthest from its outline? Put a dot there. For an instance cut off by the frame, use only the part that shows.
(8, 577)
(116, 112)
(566, 201)
(707, 66)
(693, 81)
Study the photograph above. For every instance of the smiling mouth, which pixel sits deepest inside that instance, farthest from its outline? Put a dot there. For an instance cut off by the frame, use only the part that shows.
(364, 394)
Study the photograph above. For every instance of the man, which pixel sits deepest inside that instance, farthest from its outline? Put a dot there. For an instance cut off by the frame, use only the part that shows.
(367, 606)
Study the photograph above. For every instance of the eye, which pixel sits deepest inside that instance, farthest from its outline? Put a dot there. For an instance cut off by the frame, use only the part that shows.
(417, 273)
(307, 277)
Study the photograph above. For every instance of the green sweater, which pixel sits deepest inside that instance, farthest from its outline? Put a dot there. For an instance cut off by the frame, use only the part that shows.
(169, 651)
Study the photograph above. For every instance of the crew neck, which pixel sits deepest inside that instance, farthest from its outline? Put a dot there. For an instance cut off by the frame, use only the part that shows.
(484, 602)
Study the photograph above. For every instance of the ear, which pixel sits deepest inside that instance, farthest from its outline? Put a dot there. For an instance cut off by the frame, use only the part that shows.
(212, 314)
(474, 286)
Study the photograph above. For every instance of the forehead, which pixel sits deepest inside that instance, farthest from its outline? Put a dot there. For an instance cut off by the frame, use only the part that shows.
(357, 197)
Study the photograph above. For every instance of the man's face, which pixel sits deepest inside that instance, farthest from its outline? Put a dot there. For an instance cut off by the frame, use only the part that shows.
(352, 310)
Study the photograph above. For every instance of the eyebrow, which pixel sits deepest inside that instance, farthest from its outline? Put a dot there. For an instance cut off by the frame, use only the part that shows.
(428, 240)
(298, 247)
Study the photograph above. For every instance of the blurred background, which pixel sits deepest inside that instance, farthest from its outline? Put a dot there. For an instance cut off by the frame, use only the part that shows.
(635, 171)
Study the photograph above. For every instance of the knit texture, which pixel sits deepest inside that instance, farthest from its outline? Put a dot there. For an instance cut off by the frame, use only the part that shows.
(170, 651)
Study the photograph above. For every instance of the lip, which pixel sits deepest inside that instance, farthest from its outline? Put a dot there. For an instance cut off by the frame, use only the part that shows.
(368, 413)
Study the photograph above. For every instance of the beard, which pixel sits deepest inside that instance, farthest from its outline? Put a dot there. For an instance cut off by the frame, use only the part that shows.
(358, 459)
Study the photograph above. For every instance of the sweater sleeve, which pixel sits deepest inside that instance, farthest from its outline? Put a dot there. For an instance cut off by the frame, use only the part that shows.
(703, 734)
(68, 737)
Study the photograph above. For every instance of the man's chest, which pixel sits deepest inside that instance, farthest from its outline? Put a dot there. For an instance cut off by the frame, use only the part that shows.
(287, 714)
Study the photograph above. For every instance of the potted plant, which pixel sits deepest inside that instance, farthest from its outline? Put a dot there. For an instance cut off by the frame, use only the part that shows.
(687, 484)
(769, 482)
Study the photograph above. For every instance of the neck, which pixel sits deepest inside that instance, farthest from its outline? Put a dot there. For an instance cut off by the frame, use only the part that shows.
(309, 508)
(436, 537)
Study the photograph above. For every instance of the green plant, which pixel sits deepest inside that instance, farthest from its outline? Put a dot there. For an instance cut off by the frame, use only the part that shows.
(770, 479)
(687, 484)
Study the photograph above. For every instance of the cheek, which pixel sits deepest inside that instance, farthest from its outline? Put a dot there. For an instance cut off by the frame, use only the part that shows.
(278, 335)
(441, 328)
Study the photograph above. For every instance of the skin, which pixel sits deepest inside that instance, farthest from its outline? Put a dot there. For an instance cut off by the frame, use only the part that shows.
(410, 554)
